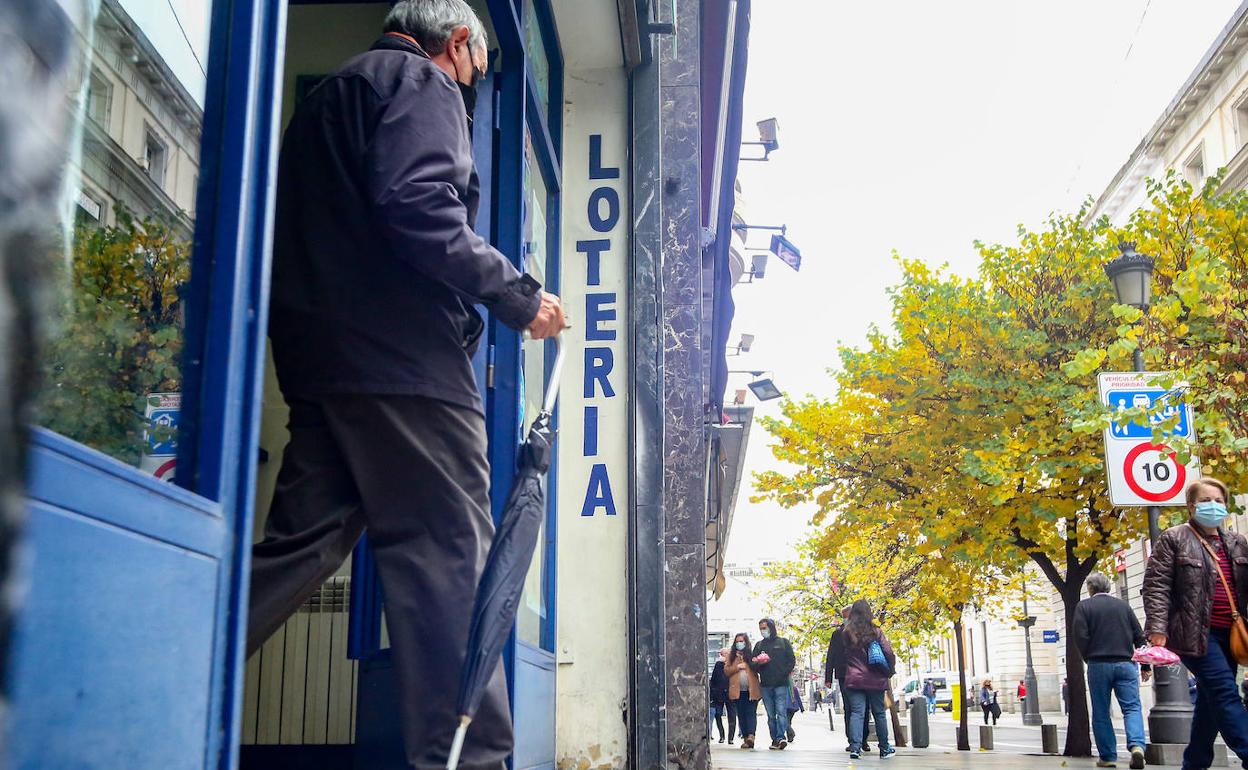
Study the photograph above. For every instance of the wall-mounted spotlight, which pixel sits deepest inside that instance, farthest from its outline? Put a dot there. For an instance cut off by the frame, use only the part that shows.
(747, 340)
(768, 138)
(763, 388)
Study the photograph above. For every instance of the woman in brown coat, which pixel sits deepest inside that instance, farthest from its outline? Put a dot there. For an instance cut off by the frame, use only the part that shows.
(743, 688)
(1188, 609)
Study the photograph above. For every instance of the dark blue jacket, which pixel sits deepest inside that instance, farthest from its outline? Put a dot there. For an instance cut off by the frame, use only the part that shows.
(375, 262)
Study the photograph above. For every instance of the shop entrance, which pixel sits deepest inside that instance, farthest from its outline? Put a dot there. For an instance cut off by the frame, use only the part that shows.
(321, 692)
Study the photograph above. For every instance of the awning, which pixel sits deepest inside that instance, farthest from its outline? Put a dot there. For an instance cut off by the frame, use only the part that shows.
(727, 452)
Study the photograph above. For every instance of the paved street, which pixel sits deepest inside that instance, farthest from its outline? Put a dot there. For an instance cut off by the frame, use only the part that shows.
(1017, 747)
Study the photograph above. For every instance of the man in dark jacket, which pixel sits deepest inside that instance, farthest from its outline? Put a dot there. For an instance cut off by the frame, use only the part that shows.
(376, 270)
(774, 678)
(1106, 632)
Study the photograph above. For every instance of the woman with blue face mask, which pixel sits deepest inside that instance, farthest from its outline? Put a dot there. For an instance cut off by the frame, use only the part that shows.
(1195, 584)
(743, 687)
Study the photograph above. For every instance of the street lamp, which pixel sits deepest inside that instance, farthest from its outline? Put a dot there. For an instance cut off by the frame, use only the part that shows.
(1132, 275)
(1170, 719)
(1031, 706)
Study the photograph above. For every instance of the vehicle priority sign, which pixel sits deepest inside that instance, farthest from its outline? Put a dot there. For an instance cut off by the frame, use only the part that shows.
(1140, 472)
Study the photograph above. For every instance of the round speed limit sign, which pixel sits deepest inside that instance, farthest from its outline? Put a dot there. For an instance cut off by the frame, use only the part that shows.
(1152, 472)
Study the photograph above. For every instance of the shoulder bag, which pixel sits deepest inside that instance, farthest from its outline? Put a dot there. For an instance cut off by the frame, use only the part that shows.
(1239, 631)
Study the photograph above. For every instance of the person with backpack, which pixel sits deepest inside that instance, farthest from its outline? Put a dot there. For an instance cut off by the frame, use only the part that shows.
(775, 661)
(834, 673)
(869, 664)
(929, 692)
(988, 702)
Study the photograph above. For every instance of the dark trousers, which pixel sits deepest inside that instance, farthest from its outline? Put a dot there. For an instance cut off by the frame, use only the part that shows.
(731, 707)
(413, 471)
(845, 713)
(1218, 707)
(747, 714)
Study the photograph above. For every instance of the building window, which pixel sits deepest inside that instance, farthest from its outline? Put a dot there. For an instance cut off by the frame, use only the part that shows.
(1122, 585)
(155, 158)
(99, 99)
(1194, 166)
(1241, 120)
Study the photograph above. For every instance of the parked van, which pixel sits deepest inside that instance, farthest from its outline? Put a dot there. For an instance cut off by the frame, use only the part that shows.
(913, 688)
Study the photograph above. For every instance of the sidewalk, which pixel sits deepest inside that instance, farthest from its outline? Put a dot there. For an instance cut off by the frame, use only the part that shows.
(817, 748)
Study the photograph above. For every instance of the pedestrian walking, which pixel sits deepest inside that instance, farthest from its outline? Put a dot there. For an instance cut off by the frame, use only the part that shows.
(1022, 695)
(773, 655)
(869, 663)
(1195, 587)
(744, 689)
(1107, 633)
(794, 706)
(1065, 696)
(988, 702)
(834, 673)
(720, 702)
(929, 692)
(376, 268)
(817, 700)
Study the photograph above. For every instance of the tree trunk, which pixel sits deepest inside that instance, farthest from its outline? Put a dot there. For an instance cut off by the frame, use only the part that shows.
(1078, 735)
(964, 740)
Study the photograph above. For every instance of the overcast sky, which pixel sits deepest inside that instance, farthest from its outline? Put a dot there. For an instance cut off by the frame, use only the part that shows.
(920, 127)
(179, 31)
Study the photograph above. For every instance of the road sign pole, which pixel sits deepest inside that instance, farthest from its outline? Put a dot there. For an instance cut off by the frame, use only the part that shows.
(1170, 718)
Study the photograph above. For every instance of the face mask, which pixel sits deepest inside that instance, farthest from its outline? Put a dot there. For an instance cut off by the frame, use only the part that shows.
(740, 645)
(1209, 513)
(469, 95)
(766, 633)
(468, 92)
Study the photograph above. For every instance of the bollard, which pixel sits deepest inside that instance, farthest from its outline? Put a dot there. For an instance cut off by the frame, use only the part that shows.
(985, 737)
(919, 737)
(1048, 739)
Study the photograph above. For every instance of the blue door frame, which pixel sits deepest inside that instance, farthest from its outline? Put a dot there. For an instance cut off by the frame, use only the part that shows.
(128, 651)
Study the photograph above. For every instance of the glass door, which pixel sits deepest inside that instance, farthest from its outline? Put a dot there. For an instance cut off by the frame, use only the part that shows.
(140, 508)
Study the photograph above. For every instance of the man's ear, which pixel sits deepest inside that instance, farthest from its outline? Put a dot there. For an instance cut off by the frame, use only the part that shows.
(459, 36)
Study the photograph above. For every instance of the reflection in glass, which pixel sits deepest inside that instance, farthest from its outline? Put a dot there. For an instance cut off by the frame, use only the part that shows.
(111, 375)
(533, 610)
(538, 59)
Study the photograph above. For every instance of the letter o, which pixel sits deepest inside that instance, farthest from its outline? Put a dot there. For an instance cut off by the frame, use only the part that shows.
(600, 223)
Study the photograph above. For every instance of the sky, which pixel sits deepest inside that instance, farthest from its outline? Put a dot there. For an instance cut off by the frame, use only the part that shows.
(179, 31)
(921, 127)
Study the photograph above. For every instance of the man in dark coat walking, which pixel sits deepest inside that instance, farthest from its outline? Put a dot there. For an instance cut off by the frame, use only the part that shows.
(376, 271)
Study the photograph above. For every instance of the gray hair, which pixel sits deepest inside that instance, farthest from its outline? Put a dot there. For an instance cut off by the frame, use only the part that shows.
(431, 22)
(1097, 583)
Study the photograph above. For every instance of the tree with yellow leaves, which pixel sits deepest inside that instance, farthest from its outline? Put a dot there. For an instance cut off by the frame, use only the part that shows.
(954, 432)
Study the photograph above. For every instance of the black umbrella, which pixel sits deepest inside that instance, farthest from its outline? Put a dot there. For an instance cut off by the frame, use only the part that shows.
(507, 565)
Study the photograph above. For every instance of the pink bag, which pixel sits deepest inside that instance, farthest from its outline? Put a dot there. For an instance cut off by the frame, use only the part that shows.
(1155, 656)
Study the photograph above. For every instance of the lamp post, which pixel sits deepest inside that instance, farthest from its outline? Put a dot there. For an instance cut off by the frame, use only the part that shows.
(1170, 719)
(1031, 706)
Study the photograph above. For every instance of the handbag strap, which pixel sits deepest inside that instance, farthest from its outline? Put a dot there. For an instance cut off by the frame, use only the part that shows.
(1218, 568)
